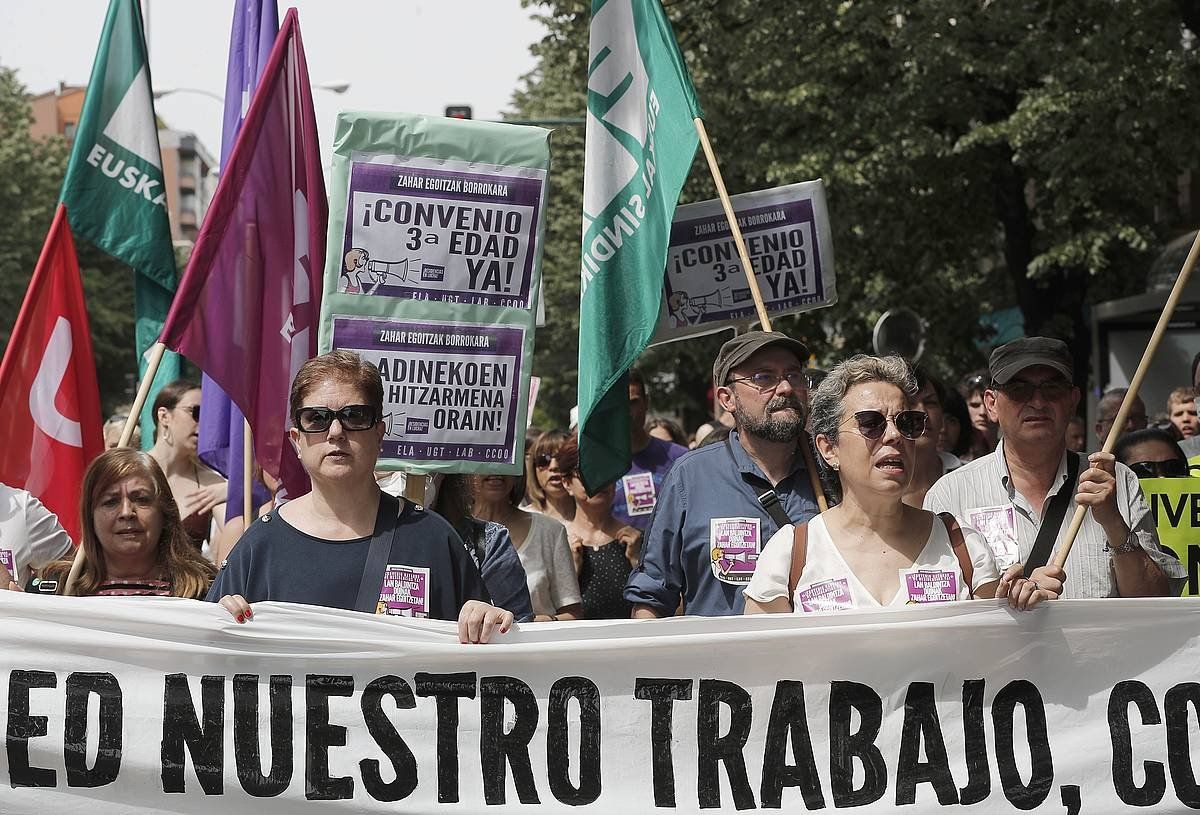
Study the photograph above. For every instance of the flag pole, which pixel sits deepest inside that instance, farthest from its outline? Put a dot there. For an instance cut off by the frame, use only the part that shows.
(156, 356)
(1114, 432)
(414, 487)
(247, 473)
(759, 306)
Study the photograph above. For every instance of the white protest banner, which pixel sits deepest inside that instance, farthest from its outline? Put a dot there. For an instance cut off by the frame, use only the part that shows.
(162, 705)
(788, 239)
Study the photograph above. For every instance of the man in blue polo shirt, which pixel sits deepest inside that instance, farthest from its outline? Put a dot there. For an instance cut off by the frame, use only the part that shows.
(637, 491)
(709, 524)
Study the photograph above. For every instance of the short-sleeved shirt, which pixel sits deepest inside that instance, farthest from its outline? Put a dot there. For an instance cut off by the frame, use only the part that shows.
(709, 529)
(549, 568)
(493, 552)
(829, 584)
(429, 571)
(30, 535)
(637, 490)
(981, 494)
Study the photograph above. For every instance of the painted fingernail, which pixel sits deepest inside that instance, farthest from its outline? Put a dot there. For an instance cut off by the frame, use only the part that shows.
(240, 618)
(249, 613)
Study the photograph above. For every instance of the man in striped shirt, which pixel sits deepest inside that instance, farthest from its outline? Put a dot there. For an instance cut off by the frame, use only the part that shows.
(1006, 494)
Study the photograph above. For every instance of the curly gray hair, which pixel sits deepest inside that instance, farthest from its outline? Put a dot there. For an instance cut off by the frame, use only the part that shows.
(825, 404)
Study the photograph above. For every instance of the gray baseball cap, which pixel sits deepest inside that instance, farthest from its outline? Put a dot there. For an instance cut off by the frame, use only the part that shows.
(742, 347)
(1011, 358)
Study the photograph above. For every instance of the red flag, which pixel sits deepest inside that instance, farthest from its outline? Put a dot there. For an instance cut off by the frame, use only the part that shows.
(246, 309)
(48, 392)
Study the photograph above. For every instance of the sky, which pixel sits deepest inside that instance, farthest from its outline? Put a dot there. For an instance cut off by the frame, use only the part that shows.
(413, 56)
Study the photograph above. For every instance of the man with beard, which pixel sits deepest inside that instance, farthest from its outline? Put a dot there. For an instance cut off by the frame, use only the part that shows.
(717, 506)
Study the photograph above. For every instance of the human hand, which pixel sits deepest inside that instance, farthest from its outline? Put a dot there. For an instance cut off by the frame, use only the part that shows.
(6, 581)
(477, 620)
(203, 499)
(1023, 593)
(236, 605)
(1098, 490)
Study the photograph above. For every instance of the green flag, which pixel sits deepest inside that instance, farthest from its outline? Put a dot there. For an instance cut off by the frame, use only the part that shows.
(640, 143)
(114, 190)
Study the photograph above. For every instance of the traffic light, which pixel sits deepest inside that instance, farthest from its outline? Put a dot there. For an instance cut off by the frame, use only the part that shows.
(458, 111)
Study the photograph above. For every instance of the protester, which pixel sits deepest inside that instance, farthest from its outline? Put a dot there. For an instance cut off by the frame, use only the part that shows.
(956, 428)
(983, 429)
(1025, 486)
(663, 428)
(315, 549)
(234, 527)
(873, 549)
(488, 544)
(30, 536)
(929, 463)
(702, 433)
(1151, 453)
(604, 549)
(709, 526)
(115, 426)
(1181, 410)
(1106, 414)
(541, 544)
(637, 491)
(1076, 434)
(1191, 446)
(133, 542)
(199, 491)
(546, 492)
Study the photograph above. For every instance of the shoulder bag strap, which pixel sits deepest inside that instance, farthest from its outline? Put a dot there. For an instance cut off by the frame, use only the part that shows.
(959, 546)
(768, 498)
(386, 526)
(799, 557)
(1052, 520)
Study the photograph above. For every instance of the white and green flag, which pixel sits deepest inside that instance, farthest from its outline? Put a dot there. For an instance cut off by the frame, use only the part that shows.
(641, 139)
(114, 190)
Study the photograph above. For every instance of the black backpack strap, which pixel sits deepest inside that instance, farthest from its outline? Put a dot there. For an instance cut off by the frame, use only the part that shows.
(387, 523)
(1052, 520)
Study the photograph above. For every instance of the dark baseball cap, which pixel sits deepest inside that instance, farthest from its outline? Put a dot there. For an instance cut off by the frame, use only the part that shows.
(742, 347)
(1011, 358)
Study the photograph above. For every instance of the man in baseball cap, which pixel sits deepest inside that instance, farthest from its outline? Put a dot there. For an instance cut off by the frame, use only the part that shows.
(720, 504)
(1022, 496)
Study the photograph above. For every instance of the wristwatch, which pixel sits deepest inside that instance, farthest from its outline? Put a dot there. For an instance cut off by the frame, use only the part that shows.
(1131, 544)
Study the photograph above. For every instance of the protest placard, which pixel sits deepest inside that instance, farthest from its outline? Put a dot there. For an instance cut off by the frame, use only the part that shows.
(789, 241)
(166, 705)
(433, 273)
(1175, 503)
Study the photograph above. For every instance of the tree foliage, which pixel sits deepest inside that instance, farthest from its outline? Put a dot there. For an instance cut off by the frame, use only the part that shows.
(977, 156)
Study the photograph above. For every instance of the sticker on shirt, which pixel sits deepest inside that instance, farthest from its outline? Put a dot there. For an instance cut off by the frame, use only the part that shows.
(6, 560)
(405, 591)
(930, 585)
(828, 595)
(998, 525)
(639, 493)
(734, 545)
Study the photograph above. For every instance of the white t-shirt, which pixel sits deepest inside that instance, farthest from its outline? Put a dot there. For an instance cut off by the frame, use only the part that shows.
(828, 584)
(549, 569)
(30, 534)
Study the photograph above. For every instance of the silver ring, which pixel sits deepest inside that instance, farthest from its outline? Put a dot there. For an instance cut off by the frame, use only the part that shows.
(1036, 587)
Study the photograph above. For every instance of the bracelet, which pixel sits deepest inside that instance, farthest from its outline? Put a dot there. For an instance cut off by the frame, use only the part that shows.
(1131, 544)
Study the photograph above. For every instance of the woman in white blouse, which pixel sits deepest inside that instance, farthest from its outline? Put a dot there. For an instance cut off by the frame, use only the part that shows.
(872, 550)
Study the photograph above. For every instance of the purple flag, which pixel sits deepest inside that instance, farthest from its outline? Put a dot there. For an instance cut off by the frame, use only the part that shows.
(255, 26)
(246, 309)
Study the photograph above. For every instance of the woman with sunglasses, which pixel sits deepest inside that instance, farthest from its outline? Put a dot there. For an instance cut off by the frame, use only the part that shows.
(872, 550)
(1152, 453)
(199, 491)
(314, 549)
(547, 492)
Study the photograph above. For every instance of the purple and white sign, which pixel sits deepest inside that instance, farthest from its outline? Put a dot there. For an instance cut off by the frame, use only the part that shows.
(449, 390)
(405, 591)
(6, 560)
(734, 544)
(787, 236)
(441, 230)
(828, 595)
(930, 585)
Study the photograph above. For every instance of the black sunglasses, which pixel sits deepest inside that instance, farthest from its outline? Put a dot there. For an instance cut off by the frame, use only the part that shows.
(351, 417)
(1019, 390)
(1171, 468)
(542, 461)
(194, 411)
(909, 423)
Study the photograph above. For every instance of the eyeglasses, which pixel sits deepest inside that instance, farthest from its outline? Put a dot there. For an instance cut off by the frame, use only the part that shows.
(1051, 390)
(1171, 468)
(542, 461)
(909, 423)
(764, 381)
(193, 411)
(318, 419)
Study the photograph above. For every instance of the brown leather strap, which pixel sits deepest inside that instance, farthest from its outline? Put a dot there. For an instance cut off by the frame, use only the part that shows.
(799, 556)
(959, 545)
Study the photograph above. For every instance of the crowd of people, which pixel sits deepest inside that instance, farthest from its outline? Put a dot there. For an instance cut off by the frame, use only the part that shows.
(934, 494)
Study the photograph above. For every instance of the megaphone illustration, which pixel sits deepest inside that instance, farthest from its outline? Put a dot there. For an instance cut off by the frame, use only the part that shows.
(387, 268)
(717, 298)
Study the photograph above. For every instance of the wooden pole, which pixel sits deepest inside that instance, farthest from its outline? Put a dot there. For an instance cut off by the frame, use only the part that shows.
(156, 354)
(759, 306)
(414, 487)
(247, 473)
(1060, 557)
